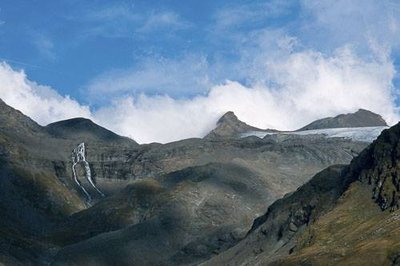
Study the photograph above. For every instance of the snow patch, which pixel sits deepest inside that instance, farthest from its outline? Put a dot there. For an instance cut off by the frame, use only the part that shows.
(366, 134)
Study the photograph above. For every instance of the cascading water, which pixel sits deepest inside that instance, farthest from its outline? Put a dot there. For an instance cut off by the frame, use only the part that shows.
(79, 157)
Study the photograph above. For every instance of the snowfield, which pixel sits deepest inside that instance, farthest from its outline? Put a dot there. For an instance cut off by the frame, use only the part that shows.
(366, 134)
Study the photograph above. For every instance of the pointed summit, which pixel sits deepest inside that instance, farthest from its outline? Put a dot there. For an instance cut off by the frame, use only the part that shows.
(229, 126)
(361, 118)
(228, 117)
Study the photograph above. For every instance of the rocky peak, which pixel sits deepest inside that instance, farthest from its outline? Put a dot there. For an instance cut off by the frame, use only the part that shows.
(361, 118)
(229, 126)
(368, 117)
(230, 118)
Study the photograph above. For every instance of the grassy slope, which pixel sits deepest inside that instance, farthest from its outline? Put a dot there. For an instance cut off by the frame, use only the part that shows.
(355, 232)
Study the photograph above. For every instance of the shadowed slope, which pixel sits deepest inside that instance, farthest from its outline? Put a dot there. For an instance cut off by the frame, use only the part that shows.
(339, 217)
(196, 212)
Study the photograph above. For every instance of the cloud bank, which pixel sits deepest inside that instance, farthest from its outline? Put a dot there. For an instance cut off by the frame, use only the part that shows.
(41, 103)
(298, 88)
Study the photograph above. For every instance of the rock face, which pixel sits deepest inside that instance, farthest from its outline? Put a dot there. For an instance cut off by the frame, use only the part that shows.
(339, 217)
(284, 220)
(229, 126)
(361, 118)
(380, 164)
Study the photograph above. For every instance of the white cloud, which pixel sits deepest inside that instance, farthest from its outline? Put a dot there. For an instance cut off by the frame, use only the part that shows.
(163, 20)
(333, 23)
(120, 12)
(288, 82)
(255, 14)
(124, 20)
(44, 44)
(184, 76)
(41, 103)
(307, 86)
(115, 20)
(2, 22)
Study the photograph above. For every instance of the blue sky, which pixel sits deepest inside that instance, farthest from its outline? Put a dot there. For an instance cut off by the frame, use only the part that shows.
(67, 44)
(103, 52)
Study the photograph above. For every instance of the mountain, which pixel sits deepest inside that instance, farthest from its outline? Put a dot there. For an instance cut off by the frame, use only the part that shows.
(360, 126)
(186, 220)
(186, 200)
(229, 126)
(32, 199)
(345, 215)
(37, 190)
(82, 129)
(361, 118)
(205, 208)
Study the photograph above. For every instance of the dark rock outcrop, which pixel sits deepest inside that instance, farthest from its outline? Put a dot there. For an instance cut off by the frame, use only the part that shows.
(379, 166)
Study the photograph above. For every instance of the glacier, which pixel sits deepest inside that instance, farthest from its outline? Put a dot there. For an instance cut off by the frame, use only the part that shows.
(365, 134)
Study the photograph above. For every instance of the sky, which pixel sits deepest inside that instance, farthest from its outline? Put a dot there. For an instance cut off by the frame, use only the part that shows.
(160, 71)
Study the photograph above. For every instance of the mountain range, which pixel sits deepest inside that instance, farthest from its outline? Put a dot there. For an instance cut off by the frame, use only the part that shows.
(200, 200)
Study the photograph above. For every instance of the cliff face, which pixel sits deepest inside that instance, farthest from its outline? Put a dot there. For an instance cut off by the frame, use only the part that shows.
(379, 167)
(274, 234)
